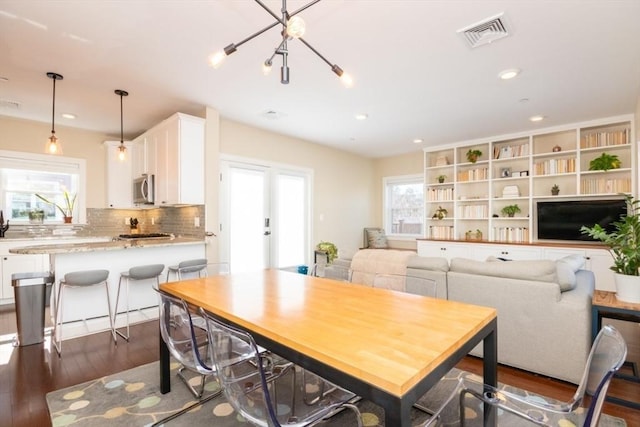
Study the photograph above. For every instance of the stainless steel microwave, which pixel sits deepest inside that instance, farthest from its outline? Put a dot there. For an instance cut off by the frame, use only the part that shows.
(144, 190)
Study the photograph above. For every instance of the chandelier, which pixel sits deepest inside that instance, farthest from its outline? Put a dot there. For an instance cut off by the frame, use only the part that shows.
(293, 27)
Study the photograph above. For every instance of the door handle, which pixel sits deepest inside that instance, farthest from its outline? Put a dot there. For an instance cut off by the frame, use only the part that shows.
(267, 233)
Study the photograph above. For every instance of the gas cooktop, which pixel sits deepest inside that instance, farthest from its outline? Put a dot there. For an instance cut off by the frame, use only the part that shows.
(145, 236)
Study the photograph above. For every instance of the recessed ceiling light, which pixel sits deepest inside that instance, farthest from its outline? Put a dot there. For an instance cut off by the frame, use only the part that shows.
(418, 141)
(69, 116)
(509, 74)
(362, 116)
(536, 118)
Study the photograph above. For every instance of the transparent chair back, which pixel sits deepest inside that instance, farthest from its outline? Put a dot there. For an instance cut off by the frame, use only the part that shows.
(258, 398)
(331, 271)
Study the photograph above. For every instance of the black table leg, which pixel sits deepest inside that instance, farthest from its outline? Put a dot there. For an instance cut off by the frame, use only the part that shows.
(490, 371)
(165, 380)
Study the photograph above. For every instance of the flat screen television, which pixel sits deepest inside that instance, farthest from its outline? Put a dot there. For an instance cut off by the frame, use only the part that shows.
(562, 220)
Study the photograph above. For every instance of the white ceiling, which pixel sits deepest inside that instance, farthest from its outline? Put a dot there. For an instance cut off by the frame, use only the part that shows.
(415, 76)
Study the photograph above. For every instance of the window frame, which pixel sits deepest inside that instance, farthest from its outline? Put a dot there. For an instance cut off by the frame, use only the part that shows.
(47, 163)
(387, 183)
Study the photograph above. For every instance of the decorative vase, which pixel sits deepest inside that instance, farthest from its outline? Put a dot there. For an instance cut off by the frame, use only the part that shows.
(555, 191)
(628, 288)
(68, 219)
(440, 180)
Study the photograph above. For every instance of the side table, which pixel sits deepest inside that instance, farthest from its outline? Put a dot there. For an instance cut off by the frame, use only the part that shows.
(605, 304)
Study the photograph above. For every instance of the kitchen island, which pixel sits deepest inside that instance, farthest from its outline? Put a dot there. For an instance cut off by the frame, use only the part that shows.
(85, 309)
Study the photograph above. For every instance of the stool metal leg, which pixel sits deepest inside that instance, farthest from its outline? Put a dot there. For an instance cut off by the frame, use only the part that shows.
(115, 314)
(112, 322)
(57, 326)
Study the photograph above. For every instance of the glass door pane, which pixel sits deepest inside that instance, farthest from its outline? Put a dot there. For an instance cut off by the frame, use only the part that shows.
(291, 236)
(248, 207)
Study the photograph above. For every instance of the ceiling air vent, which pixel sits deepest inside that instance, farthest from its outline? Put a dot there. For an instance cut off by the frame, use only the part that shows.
(485, 32)
(9, 105)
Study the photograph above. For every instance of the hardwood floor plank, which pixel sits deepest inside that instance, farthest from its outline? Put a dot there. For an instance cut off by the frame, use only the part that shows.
(28, 373)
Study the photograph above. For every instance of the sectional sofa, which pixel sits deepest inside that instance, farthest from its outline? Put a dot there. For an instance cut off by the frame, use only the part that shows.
(544, 306)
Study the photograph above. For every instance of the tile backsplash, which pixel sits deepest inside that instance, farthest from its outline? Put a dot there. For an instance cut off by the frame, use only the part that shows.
(179, 220)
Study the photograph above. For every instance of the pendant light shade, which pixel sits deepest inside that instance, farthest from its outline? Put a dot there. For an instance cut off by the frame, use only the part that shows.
(122, 150)
(53, 143)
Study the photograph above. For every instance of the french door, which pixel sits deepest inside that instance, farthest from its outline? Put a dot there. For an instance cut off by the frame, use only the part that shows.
(265, 220)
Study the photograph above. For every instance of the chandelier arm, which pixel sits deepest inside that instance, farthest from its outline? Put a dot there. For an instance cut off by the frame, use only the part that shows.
(304, 7)
(254, 35)
(316, 52)
(270, 12)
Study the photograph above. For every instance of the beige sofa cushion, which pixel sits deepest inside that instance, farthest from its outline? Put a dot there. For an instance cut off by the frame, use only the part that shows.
(566, 271)
(538, 270)
(428, 263)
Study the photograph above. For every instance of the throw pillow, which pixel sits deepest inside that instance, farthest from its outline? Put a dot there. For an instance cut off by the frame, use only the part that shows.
(377, 239)
(566, 270)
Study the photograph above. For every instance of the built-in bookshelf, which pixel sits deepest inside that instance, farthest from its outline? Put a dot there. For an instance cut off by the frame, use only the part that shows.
(521, 169)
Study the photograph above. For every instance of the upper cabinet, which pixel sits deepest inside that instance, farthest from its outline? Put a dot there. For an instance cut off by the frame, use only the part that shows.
(466, 197)
(173, 151)
(119, 175)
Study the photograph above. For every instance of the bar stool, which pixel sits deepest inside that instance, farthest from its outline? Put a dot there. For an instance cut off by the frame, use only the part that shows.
(189, 267)
(78, 279)
(142, 272)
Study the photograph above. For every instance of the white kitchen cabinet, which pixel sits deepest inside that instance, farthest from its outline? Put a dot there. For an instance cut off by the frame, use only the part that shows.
(520, 253)
(444, 249)
(174, 153)
(119, 175)
(139, 156)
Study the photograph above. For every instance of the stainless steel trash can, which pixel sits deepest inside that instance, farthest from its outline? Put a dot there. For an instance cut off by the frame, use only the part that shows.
(30, 290)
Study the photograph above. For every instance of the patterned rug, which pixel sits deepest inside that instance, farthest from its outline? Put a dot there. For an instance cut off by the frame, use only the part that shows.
(133, 398)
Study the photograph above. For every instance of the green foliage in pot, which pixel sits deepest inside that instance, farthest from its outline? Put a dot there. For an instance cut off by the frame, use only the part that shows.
(604, 162)
(441, 178)
(472, 155)
(623, 241)
(510, 210)
(69, 203)
(441, 213)
(329, 248)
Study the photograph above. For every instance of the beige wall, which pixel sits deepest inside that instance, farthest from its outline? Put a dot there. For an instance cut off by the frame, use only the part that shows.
(30, 136)
(344, 186)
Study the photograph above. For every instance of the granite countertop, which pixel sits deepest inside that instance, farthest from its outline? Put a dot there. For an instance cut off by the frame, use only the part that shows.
(103, 246)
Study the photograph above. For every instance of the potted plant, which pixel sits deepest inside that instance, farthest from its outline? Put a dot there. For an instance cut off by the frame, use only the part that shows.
(441, 213)
(510, 210)
(604, 162)
(624, 246)
(473, 155)
(330, 249)
(36, 216)
(69, 204)
(441, 178)
(555, 190)
(473, 235)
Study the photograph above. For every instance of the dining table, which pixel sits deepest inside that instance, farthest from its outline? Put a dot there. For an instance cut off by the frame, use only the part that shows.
(386, 346)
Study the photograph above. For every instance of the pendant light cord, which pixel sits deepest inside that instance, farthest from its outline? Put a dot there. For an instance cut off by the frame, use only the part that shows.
(121, 122)
(53, 110)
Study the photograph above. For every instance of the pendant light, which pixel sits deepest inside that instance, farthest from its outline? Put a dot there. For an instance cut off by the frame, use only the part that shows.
(53, 143)
(122, 149)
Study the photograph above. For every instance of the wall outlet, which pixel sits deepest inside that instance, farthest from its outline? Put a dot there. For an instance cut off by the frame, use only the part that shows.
(196, 221)
(153, 221)
(126, 221)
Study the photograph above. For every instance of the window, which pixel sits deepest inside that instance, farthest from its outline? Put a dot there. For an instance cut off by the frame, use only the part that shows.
(404, 205)
(23, 175)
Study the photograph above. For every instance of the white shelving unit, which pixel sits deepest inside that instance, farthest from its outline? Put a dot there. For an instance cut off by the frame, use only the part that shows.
(521, 169)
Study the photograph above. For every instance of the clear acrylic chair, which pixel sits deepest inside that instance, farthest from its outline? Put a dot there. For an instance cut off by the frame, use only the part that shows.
(197, 268)
(410, 284)
(253, 392)
(331, 271)
(607, 355)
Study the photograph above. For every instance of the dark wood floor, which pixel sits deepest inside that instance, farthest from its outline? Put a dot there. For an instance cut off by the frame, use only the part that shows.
(28, 373)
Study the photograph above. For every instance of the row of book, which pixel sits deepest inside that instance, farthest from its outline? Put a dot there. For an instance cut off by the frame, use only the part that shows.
(439, 194)
(473, 174)
(441, 232)
(510, 151)
(511, 234)
(605, 185)
(605, 139)
(472, 211)
(554, 166)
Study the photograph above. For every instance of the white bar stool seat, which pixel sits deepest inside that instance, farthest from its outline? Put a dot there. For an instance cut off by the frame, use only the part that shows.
(190, 268)
(142, 272)
(78, 279)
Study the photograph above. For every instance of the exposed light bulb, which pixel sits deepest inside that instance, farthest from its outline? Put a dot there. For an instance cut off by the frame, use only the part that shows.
(346, 80)
(296, 27)
(122, 150)
(217, 59)
(52, 145)
(266, 67)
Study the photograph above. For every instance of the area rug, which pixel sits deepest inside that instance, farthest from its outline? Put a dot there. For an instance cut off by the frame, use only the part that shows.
(133, 398)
